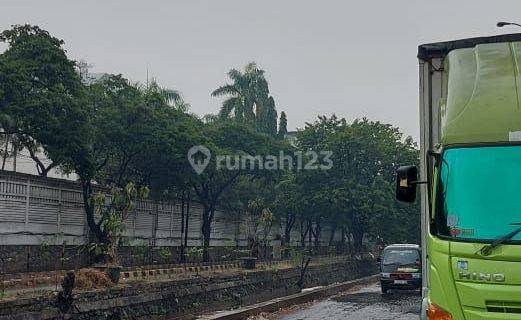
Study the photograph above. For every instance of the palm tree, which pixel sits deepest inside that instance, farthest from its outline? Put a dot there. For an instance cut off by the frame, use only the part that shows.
(155, 94)
(246, 94)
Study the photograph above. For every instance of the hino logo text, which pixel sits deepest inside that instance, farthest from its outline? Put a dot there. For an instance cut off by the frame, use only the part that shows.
(478, 276)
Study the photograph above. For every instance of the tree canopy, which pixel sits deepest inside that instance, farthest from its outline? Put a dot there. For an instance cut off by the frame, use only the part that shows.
(125, 136)
(41, 95)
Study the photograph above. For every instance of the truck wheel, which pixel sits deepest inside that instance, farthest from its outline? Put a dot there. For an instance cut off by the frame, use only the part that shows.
(385, 289)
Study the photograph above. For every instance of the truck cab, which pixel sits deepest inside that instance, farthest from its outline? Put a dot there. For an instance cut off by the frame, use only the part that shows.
(469, 178)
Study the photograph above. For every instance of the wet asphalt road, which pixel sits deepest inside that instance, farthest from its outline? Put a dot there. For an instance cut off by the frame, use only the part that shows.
(365, 303)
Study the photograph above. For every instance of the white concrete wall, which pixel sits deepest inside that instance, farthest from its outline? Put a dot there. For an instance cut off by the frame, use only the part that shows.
(35, 209)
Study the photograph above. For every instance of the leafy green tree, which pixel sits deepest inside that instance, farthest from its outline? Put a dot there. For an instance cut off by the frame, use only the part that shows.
(283, 126)
(319, 184)
(226, 138)
(257, 222)
(251, 200)
(130, 138)
(367, 154)
(356, 193)
(121, 203)
(287, 204)
(163, 165)
(266, 117)
(41, 95)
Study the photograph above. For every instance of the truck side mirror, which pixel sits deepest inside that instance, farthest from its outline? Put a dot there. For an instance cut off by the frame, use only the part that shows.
(406, 180)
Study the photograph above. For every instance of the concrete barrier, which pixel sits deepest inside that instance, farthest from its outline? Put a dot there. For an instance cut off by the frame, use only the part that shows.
(146, 273)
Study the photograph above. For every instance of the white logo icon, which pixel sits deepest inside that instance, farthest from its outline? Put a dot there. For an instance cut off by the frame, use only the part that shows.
(199, 158)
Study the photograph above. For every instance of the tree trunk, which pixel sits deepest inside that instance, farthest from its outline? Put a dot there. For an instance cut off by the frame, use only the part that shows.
(40, 166)
(94, 228)
(102, 238)
(6, 152)
(318, 232)
(332, 235)
(290, 222)
(358, 236)
(182, 225)
(349, 242)
(303, 268)
(186, 220)
(343, 239)
(287, 236)
(303, 234)
(15, 155)
(310, 233)
(155, 224)
(182, 213)
(207, 230)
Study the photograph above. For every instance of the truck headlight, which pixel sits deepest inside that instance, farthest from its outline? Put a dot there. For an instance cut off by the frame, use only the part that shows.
(436, 313)
(385, 275)
(416, 275)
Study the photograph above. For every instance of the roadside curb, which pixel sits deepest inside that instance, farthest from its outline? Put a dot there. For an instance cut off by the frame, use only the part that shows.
(39, 279)
(287, 301)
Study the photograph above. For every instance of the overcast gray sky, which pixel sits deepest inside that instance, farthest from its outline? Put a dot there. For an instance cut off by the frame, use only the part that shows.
(351, 58)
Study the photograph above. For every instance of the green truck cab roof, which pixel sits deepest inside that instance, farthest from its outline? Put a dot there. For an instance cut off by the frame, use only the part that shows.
(441, 49)
(482, 103)
(483, 89)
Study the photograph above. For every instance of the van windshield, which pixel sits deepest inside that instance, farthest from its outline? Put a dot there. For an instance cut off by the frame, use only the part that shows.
(479, 192)
(401, 257)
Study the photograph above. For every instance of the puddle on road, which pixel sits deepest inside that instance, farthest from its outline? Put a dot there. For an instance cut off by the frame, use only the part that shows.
(398, 301)
(364, 304)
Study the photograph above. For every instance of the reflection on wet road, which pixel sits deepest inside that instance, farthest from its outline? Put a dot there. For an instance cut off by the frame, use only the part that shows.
(364, 304)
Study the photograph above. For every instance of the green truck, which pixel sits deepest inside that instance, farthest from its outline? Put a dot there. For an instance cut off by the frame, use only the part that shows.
(469, 178)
